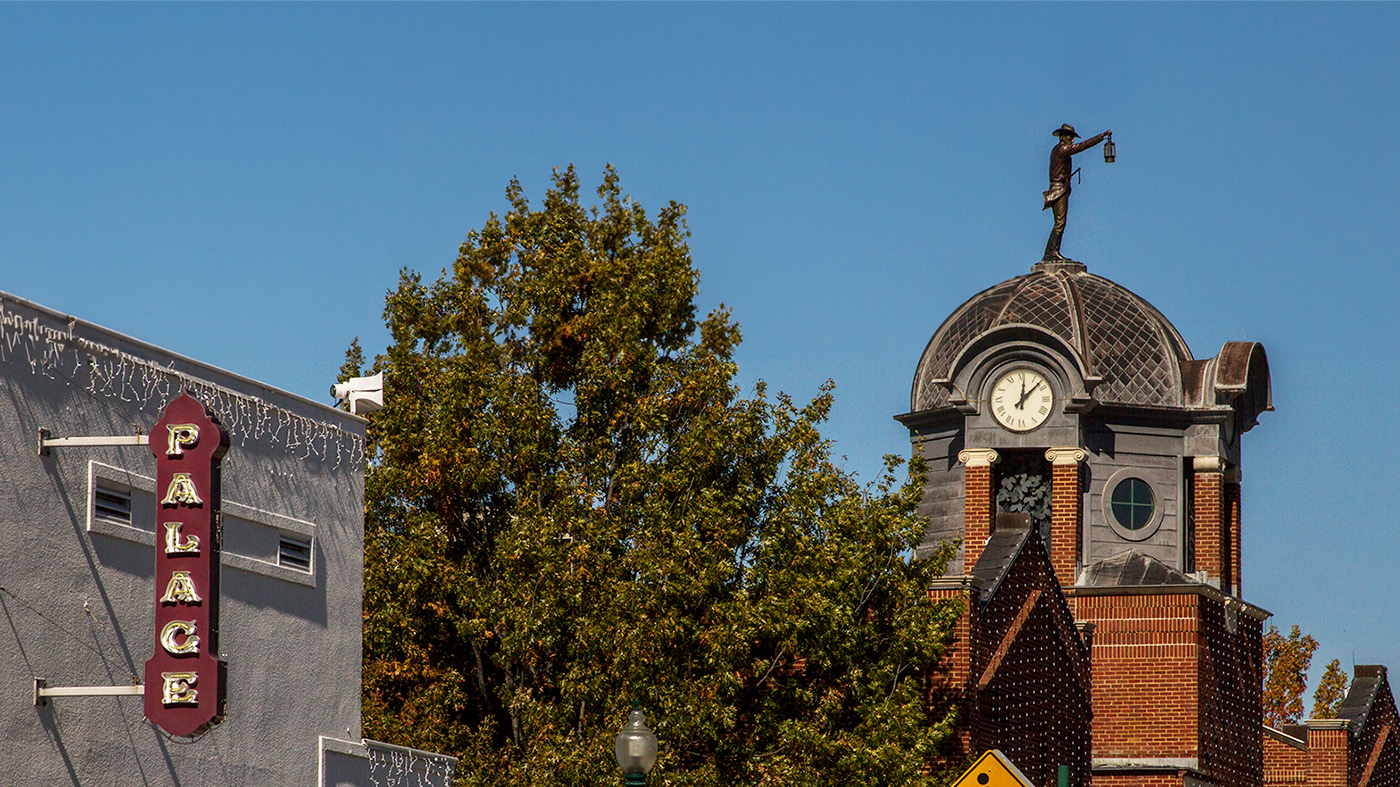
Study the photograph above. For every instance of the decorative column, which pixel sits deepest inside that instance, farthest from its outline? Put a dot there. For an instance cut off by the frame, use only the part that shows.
(979, 502)
(1232, 520)
(1208, 502)
(1066, 510)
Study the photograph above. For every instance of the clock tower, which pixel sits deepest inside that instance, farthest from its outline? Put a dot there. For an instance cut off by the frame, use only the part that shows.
(1063, 400)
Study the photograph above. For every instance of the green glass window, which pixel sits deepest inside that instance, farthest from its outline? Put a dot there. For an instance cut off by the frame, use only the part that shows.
(1133, 503)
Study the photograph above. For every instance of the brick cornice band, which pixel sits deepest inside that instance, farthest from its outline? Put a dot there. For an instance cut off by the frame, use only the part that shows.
(1066, 455)
(979, 457)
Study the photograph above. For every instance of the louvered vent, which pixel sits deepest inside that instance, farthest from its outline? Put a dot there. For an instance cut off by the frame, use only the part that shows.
(294, 552)
(112, 505)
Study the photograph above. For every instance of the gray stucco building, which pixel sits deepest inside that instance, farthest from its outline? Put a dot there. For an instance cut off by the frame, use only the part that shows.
(77, 540)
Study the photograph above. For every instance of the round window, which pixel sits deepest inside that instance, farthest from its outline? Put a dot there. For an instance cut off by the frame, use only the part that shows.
(1132, 503)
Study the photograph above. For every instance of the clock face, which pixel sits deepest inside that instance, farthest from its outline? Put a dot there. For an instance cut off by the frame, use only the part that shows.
(1022, 399)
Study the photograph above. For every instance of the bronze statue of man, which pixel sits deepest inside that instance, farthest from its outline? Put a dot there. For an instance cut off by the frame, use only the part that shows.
(1057, 197)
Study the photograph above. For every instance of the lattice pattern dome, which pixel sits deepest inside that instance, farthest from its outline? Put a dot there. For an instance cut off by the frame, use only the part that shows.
(1118, 336)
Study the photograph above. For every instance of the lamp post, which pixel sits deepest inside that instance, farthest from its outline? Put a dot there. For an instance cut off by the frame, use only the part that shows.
(635, 749)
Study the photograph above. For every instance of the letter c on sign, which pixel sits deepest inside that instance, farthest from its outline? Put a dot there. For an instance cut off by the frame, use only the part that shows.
(179, 628)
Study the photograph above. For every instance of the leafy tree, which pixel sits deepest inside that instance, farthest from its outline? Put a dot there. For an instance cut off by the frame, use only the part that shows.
(1331, 690)
(1286, 660)
(570, 506)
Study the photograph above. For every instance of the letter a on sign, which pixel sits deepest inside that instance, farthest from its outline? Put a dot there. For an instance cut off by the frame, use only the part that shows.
(993, 769)
(184, 685)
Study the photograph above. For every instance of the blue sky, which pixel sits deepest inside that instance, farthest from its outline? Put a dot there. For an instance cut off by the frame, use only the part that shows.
(853, 173)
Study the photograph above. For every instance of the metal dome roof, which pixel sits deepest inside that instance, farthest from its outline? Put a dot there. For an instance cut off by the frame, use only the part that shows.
(1118, 336)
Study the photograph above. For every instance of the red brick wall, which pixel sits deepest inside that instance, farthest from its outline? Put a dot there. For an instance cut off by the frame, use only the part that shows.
(979, 510)
(1284, 765)
(1145, 662)
(1066, 512)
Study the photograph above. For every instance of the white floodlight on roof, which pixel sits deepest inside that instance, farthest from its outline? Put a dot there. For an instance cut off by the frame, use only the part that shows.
(365, 394)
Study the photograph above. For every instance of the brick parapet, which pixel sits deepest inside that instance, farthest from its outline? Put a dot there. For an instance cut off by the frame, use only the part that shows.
(1285, 765)
(1327, 758)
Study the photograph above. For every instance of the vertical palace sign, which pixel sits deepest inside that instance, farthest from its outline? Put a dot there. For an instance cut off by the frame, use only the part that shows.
(184, 685)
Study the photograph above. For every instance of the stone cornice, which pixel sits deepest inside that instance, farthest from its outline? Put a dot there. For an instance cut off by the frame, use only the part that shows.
(951, 583)
(1327, 724)
(1066, 455)
(979, 457)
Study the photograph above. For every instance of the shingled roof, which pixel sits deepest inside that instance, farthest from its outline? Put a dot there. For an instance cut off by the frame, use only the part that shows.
(1366, 684)
(997, 558)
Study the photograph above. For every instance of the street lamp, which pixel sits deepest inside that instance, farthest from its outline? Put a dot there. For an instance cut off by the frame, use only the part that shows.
(1110, 151)
(635, 749)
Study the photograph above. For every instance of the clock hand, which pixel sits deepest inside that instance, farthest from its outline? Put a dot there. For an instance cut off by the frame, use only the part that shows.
(1026, 394)
(1022, 400)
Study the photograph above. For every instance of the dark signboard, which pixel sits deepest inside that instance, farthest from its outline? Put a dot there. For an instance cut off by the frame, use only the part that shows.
(184, 687)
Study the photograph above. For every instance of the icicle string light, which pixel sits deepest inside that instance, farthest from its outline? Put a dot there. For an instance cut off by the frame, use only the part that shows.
(108, 373)
(406, 767)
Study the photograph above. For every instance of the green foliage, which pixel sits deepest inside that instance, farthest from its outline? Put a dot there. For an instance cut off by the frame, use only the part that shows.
(354, 362)
(1286, 661)
(1331, 690)
(571, 506)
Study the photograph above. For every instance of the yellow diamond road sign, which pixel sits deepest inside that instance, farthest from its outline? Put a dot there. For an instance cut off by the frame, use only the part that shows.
(993, 769)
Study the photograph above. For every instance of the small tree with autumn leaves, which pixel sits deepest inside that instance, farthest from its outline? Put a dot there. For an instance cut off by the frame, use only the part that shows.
(1331, 690)
(1286, 663)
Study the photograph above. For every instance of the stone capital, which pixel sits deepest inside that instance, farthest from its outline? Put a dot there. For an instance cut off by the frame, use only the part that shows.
(1208, 464)
(979, 457)
(1066, 455)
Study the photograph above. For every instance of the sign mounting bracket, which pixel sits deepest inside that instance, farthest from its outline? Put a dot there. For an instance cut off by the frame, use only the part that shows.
(47, 441)
(42, 691)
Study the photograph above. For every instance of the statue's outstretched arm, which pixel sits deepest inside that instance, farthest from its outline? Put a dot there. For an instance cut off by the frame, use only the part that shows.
(1080, 147)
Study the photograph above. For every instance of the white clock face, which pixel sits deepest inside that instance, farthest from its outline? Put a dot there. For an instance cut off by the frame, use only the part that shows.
(1022, 399)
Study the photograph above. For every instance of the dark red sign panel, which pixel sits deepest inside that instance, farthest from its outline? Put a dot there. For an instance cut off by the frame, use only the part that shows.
(184, 686)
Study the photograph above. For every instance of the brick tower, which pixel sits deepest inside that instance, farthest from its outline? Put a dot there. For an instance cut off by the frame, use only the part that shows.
(1064, 401)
